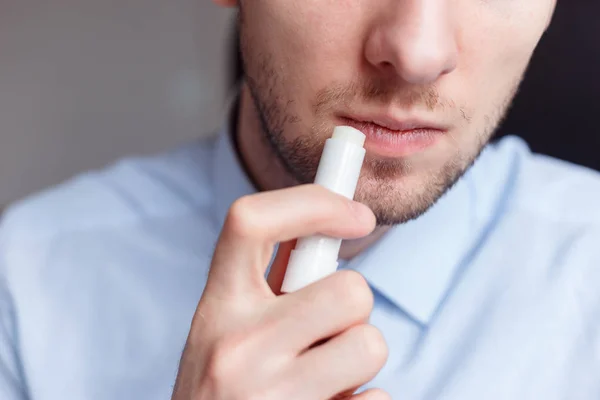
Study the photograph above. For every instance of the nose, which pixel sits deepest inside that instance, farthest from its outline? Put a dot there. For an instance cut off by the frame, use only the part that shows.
(414, 39)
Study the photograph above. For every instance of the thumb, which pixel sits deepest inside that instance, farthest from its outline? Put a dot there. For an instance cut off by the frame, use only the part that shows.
(279, 266)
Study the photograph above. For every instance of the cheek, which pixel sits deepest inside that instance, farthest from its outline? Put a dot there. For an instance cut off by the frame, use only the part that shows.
(495, 51)
(305, 46)
(321, 45)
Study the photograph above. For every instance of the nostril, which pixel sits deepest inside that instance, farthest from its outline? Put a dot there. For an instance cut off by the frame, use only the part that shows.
(451, 66)
(387, 65)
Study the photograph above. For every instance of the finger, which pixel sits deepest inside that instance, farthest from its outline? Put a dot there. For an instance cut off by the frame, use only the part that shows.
(318, 311)
(372, 394)
(349, 360)
(255, 223)
(279, 266)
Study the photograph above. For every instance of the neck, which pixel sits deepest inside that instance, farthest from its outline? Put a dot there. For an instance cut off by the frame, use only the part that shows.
(268, 173)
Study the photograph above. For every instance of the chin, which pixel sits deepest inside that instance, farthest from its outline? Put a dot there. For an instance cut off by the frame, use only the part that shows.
(400, 191)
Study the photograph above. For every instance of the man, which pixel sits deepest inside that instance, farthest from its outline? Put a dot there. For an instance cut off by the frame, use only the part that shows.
(470, 270)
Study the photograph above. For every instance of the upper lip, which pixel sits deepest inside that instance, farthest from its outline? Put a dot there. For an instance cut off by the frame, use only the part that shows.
(396, 124)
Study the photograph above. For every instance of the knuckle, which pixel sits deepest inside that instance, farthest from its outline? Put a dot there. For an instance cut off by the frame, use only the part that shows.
(373, 344)
(241, 218)
(231, 372)
(354, 291)
(223, 363)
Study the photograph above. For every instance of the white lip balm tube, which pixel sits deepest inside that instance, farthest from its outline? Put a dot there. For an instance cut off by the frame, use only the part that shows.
(316, 256)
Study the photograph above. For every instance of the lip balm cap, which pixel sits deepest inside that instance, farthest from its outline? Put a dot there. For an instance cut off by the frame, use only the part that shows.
(349, 134)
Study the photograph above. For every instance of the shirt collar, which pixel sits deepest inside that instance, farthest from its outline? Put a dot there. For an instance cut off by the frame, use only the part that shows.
(414, 264)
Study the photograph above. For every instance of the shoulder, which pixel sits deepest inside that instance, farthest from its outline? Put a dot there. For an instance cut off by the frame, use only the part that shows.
(129, 190)
(545, 188)
(130, 242)
(547, 217)
(541, 237)
(134, 207)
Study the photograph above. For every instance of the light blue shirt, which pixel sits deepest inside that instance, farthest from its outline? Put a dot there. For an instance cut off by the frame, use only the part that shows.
(492, 294)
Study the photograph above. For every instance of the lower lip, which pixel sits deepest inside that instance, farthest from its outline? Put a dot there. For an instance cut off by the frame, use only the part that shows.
(391, 143)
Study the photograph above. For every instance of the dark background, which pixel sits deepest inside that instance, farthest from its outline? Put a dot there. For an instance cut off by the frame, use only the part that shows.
(558, 104)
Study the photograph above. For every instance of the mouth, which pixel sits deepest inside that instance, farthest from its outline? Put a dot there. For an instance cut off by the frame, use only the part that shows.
(394, 138)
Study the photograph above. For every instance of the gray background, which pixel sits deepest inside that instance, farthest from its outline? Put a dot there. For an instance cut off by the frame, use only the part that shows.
(84, 82)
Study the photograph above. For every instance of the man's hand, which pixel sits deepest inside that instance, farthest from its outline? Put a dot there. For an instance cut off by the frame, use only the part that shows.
(246, 342)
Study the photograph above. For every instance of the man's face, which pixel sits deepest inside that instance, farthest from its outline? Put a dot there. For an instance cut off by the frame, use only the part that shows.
(426, 80)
